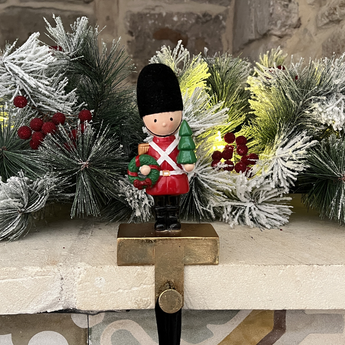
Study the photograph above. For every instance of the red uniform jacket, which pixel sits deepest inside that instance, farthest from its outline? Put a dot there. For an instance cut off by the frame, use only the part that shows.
(172, 180)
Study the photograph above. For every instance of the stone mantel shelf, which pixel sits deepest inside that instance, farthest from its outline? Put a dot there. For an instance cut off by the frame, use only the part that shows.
(71, 264)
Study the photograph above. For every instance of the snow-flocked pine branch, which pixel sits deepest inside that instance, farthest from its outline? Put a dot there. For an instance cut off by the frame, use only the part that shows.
(254, 203)
(20, 197)
(24, 71)
(191, 72)
(286, 159)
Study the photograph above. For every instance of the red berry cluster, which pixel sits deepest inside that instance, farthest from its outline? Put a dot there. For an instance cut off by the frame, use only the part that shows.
(241, 164)
(38, 129)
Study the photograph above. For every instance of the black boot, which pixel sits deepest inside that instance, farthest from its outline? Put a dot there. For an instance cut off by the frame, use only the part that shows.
(159, 210)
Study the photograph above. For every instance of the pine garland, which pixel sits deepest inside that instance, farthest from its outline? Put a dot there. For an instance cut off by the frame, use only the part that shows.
(275, 57)
(15, 154)
(325, 179)
(291, 97)
(286, 159)
(192, 72)
(201, 202)
(291, 113)
(140, 203)
(20, 198)
(200, 115)
(94, 161)
(253, 202)
(227, 84)
(68, 43)
(99, 77)
(24, 71)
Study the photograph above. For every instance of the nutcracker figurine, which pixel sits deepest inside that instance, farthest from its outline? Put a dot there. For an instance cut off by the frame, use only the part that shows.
(161, 168)
(160, 106)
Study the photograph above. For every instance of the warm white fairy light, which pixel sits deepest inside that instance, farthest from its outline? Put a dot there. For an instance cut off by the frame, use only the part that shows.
(218, 139)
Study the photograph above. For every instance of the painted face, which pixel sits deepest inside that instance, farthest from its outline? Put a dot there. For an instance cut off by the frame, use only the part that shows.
(163, 124)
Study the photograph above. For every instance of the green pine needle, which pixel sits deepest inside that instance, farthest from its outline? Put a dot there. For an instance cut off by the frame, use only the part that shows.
(94, 162)
(326, 179)
(20, 198)
(284, 99)
(195, 204)
(227, 85)
(274, 57)
(15, 153)
(99, 75)
(192, 72)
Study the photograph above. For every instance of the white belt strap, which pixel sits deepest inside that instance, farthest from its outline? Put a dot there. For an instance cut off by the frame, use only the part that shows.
(164, 156)
(169, 172)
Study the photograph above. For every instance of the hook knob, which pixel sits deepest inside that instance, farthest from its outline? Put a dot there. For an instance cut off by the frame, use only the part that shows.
(170, 301)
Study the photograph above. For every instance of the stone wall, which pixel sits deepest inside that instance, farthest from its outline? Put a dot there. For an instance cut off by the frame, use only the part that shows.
(304, 28)
(144, 26)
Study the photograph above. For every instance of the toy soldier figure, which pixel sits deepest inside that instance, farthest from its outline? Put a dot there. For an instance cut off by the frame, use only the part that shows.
(160, 106)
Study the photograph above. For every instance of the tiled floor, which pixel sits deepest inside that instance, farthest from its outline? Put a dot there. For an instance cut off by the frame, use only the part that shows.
(138, 327)
(41, 329)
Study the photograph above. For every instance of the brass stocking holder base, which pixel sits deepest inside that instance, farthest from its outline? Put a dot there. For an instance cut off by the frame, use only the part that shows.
(195, 244)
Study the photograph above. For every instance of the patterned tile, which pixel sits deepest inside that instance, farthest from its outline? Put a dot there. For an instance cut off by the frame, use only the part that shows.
(199, 326)
(41, 329)
(300, 326)
(138, 327)
(279, 328)
(337, 338)
(6, 339)
(252, 329)
(224, 328)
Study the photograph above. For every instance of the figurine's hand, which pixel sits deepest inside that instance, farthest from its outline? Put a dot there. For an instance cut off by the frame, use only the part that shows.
(189, 167)
(145, 170)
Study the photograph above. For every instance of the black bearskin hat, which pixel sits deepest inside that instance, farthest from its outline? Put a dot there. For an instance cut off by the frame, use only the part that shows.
(158, 90)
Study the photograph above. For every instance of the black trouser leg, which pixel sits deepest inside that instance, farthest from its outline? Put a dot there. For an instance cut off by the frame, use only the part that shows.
(159, 210)
(173, 212)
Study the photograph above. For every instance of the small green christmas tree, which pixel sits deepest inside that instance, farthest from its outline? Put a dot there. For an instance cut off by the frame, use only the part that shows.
(186, 145)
